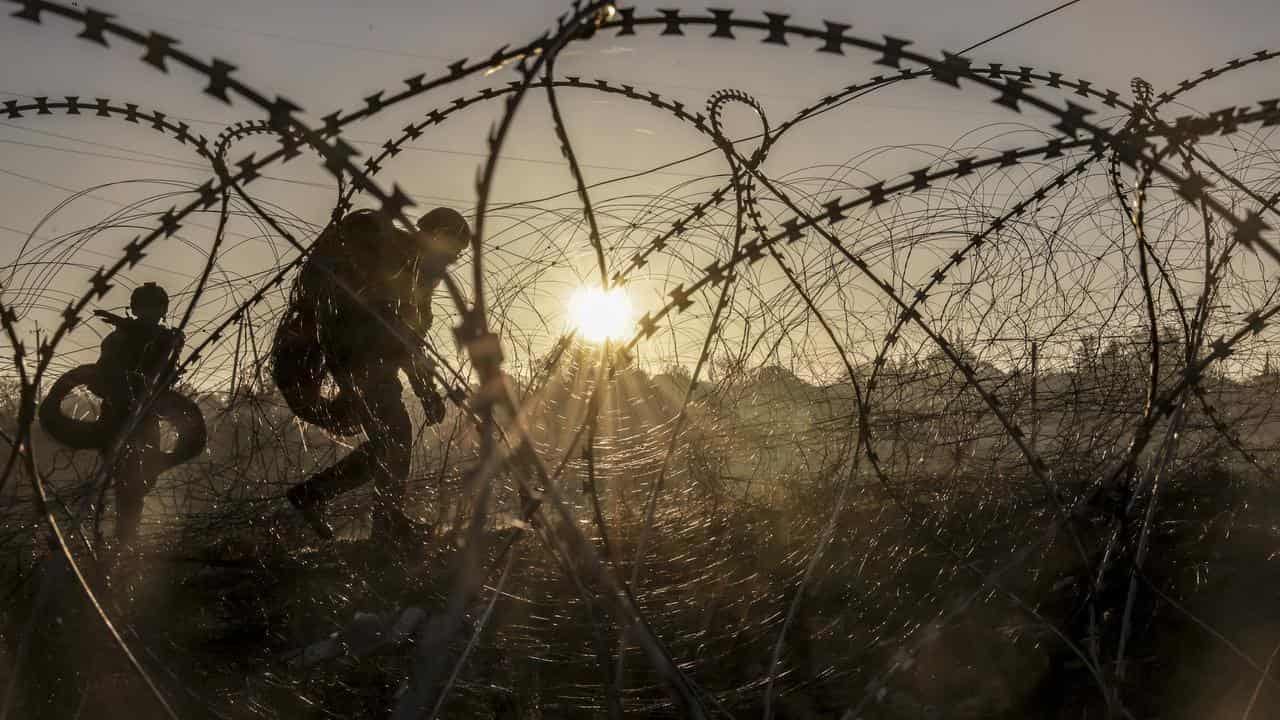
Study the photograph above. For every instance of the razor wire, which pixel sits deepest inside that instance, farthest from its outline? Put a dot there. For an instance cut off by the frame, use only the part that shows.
(937, 376)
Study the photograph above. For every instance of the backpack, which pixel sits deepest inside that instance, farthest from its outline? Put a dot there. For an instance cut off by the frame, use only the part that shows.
(354, 251)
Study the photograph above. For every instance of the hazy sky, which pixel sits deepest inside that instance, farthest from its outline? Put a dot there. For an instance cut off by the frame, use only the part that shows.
(327, 55)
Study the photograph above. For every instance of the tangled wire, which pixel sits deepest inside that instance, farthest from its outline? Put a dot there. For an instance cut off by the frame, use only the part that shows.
(956, 437)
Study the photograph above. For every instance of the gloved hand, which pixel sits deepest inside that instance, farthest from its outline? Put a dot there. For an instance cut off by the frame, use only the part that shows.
(433, 405)
(424, 387)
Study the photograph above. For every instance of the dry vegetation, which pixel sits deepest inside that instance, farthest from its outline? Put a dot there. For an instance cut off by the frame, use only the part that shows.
(994, 438)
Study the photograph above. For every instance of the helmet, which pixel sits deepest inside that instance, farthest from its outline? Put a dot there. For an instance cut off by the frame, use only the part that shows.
(149, 301)
(446, 231)
(447, 219)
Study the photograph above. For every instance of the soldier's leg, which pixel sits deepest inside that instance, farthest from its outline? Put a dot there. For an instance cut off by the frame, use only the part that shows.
(129, 505)
(390, 438)
(135, 475)
(345, 475)
(311, 496)
(382, 457)
(129, 483)
(376, 393)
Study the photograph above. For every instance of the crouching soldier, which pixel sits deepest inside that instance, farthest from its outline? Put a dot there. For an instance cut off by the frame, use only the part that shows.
(359, 313)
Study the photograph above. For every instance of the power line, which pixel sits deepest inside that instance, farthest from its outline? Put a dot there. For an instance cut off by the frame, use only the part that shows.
(105, 156)
(55, 186)
(175, 162)
(633, 173)
(409, 148)
(868, 91)
(97, 253)
(967, 50)
(1019, 26)
(165, 160)
(300, 41)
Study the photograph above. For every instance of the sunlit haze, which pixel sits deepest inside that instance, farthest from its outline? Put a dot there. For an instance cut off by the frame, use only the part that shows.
(599, 315)
(894, 359)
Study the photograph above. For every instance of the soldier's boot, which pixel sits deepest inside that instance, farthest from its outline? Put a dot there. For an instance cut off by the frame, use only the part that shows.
(312, 506)
(391, 524)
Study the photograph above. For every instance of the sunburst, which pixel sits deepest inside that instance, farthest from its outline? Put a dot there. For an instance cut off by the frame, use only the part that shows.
(598, 315)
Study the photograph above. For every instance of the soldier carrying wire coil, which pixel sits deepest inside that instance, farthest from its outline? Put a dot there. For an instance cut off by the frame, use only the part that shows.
(359, 302)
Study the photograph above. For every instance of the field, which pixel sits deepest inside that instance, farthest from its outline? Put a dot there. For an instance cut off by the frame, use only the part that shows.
(981, 423)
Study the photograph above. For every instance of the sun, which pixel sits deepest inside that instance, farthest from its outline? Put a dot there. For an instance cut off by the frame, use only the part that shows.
(598, 315)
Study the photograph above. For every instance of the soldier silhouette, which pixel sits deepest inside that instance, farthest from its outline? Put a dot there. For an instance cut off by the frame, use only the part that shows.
(361, 302)
(132, 366)
(133, 380)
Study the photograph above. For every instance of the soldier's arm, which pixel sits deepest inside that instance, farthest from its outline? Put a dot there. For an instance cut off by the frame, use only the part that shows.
(424, 385)
(110, 346)
(173, 353)
(421, 372)
(177, 341)
(109, 363)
